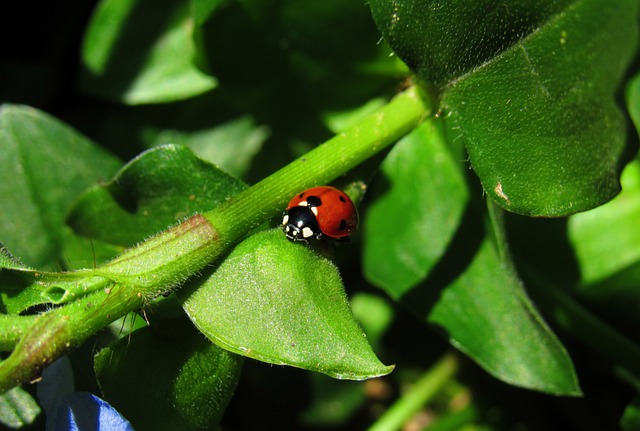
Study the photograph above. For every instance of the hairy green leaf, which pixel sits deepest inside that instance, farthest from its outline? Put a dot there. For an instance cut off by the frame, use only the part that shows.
(282, 303)
(23, 288)
(158, 188)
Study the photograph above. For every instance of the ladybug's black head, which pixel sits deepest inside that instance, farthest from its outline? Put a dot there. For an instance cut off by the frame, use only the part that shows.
(300, 224)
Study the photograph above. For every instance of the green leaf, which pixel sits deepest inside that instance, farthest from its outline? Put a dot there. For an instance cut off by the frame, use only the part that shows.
(18, 408)
(303, 68)
(231, 146)
(44, 166)
(23, 288)
(202, 9)
(280, 302)
(156, 189)
(486, 314)
(439, 262)
(332, 401)
(531, 88)
(605, 241)
(633, 100)
(423, 190)
(193, 380)
(7, 260)
(133, 59)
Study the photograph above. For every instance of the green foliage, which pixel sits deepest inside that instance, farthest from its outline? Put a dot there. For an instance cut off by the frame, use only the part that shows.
(45, 165)
(220, 106)
(158, 188)
(132, 59)
(198, 379)
(18, 408)
(285, 305)
(532, 102)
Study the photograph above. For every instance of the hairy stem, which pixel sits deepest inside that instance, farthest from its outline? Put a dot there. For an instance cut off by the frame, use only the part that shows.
(320, 166)
(166, 260)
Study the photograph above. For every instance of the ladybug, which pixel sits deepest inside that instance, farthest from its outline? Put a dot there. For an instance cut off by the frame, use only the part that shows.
(320, 212)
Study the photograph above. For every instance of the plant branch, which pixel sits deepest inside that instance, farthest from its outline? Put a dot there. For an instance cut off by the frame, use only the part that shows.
(421, 393)
(320, 166)
(166, 260)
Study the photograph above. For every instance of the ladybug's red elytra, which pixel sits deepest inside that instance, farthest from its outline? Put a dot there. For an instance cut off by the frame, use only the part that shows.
(320, 212)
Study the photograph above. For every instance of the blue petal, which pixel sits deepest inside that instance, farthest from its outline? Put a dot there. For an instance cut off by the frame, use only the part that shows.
(83, 411)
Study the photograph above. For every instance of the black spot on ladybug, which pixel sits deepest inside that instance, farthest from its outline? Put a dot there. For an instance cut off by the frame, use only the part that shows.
(342, 199)
(343, 224)
(300, 195)
(314, 201)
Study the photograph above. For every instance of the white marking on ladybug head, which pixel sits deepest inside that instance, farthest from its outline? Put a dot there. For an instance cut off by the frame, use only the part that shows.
(285, 220)
(314, 210)
(307, 232)
(303, 204)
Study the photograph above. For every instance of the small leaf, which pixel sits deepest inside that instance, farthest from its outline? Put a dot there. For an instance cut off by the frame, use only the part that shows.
(18, 408)
(44, 166)
(196, 380)
(156, 189)
(280, 302)
(531, 88)
(24, 288)
(134, 59)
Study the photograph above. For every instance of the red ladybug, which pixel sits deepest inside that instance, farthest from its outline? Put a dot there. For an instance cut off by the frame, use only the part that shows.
(320, 211)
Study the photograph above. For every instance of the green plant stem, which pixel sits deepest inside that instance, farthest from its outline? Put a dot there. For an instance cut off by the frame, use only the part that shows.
(166, 260)
(320, 166)
(421, 393)
(12, 328)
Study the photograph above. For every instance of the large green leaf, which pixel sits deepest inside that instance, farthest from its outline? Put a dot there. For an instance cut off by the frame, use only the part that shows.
(157, 189)
(436, 258)
(487, 314)
(530, 86)
(282, 303)
(44, 166)
(142, 52)
(161, 383)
